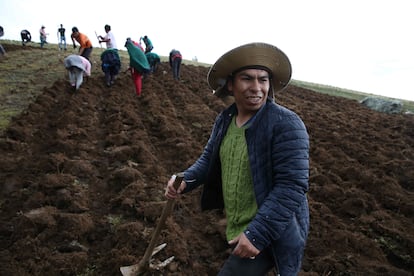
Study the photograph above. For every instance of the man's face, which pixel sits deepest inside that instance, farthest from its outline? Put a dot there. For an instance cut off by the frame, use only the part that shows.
(250, 88)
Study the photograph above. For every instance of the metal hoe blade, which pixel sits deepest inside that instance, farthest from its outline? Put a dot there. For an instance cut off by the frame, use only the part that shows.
(147, 262)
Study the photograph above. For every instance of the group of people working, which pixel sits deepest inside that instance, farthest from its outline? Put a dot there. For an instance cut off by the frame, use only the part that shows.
(142, 60)
(27, 37)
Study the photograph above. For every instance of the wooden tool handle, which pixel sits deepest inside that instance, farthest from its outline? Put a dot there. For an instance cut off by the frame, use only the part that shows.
(165, 212)
(178, 179)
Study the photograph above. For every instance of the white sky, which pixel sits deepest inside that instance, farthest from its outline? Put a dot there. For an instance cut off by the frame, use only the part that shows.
(363, 45)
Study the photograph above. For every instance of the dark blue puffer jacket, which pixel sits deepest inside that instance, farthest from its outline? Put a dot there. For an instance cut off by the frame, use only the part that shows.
(278, 146)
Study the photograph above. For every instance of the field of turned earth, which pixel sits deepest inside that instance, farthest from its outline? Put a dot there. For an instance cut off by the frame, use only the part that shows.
(83, 174)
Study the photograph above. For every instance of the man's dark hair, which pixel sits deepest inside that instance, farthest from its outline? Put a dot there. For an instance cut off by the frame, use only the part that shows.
(74, 30)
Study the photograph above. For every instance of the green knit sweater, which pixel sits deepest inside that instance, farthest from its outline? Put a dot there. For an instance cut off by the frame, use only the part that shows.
(239, 199)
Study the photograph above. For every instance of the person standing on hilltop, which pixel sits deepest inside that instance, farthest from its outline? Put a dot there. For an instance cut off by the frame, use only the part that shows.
(175, 59)
(109, 38)
(255, 165)
(85, 49)
(43, 36)
(62, 37)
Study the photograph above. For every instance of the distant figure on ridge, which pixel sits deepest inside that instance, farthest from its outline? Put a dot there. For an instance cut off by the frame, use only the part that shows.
(85, 49)
(138, 64)
(2, 51)
(43, 36)
(109, 38)
(61, 37)
(148, 44)
(77, 66)
(26, 37)
(175, 59)
(111, 64)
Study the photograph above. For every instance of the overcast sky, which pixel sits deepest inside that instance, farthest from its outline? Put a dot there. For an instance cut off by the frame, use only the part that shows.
(364, 45)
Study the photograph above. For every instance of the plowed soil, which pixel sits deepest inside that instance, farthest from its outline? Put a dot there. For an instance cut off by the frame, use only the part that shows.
(83, 174)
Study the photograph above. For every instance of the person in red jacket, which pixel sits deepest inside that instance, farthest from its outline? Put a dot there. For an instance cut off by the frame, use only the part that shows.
(85, 49)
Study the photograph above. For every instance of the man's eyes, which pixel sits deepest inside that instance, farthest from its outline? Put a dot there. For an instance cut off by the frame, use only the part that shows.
(246, 78)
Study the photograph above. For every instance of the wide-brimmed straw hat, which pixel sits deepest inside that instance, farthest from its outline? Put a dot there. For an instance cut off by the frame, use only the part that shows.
(248, 56)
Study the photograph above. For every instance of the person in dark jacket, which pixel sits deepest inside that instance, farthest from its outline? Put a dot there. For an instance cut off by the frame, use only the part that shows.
(153, 60)
(175, 59)
(111, 64)
(2, 51)
(26, 37)
(61, 37)
(255, 165)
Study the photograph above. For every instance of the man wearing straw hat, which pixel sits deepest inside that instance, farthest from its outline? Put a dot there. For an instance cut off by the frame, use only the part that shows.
(255, 165)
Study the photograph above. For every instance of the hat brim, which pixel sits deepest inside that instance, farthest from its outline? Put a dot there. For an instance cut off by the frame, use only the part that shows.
(252, 54)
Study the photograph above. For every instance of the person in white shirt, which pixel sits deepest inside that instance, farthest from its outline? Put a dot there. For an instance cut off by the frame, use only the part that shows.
(109, 38)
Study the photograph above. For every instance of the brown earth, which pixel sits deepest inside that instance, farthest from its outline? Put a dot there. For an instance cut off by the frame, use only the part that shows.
(83, 174)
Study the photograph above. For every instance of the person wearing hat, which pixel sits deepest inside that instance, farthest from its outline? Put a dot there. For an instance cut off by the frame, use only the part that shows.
(77, 66)
(255, 165)
(43, 36)
(85, 49)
